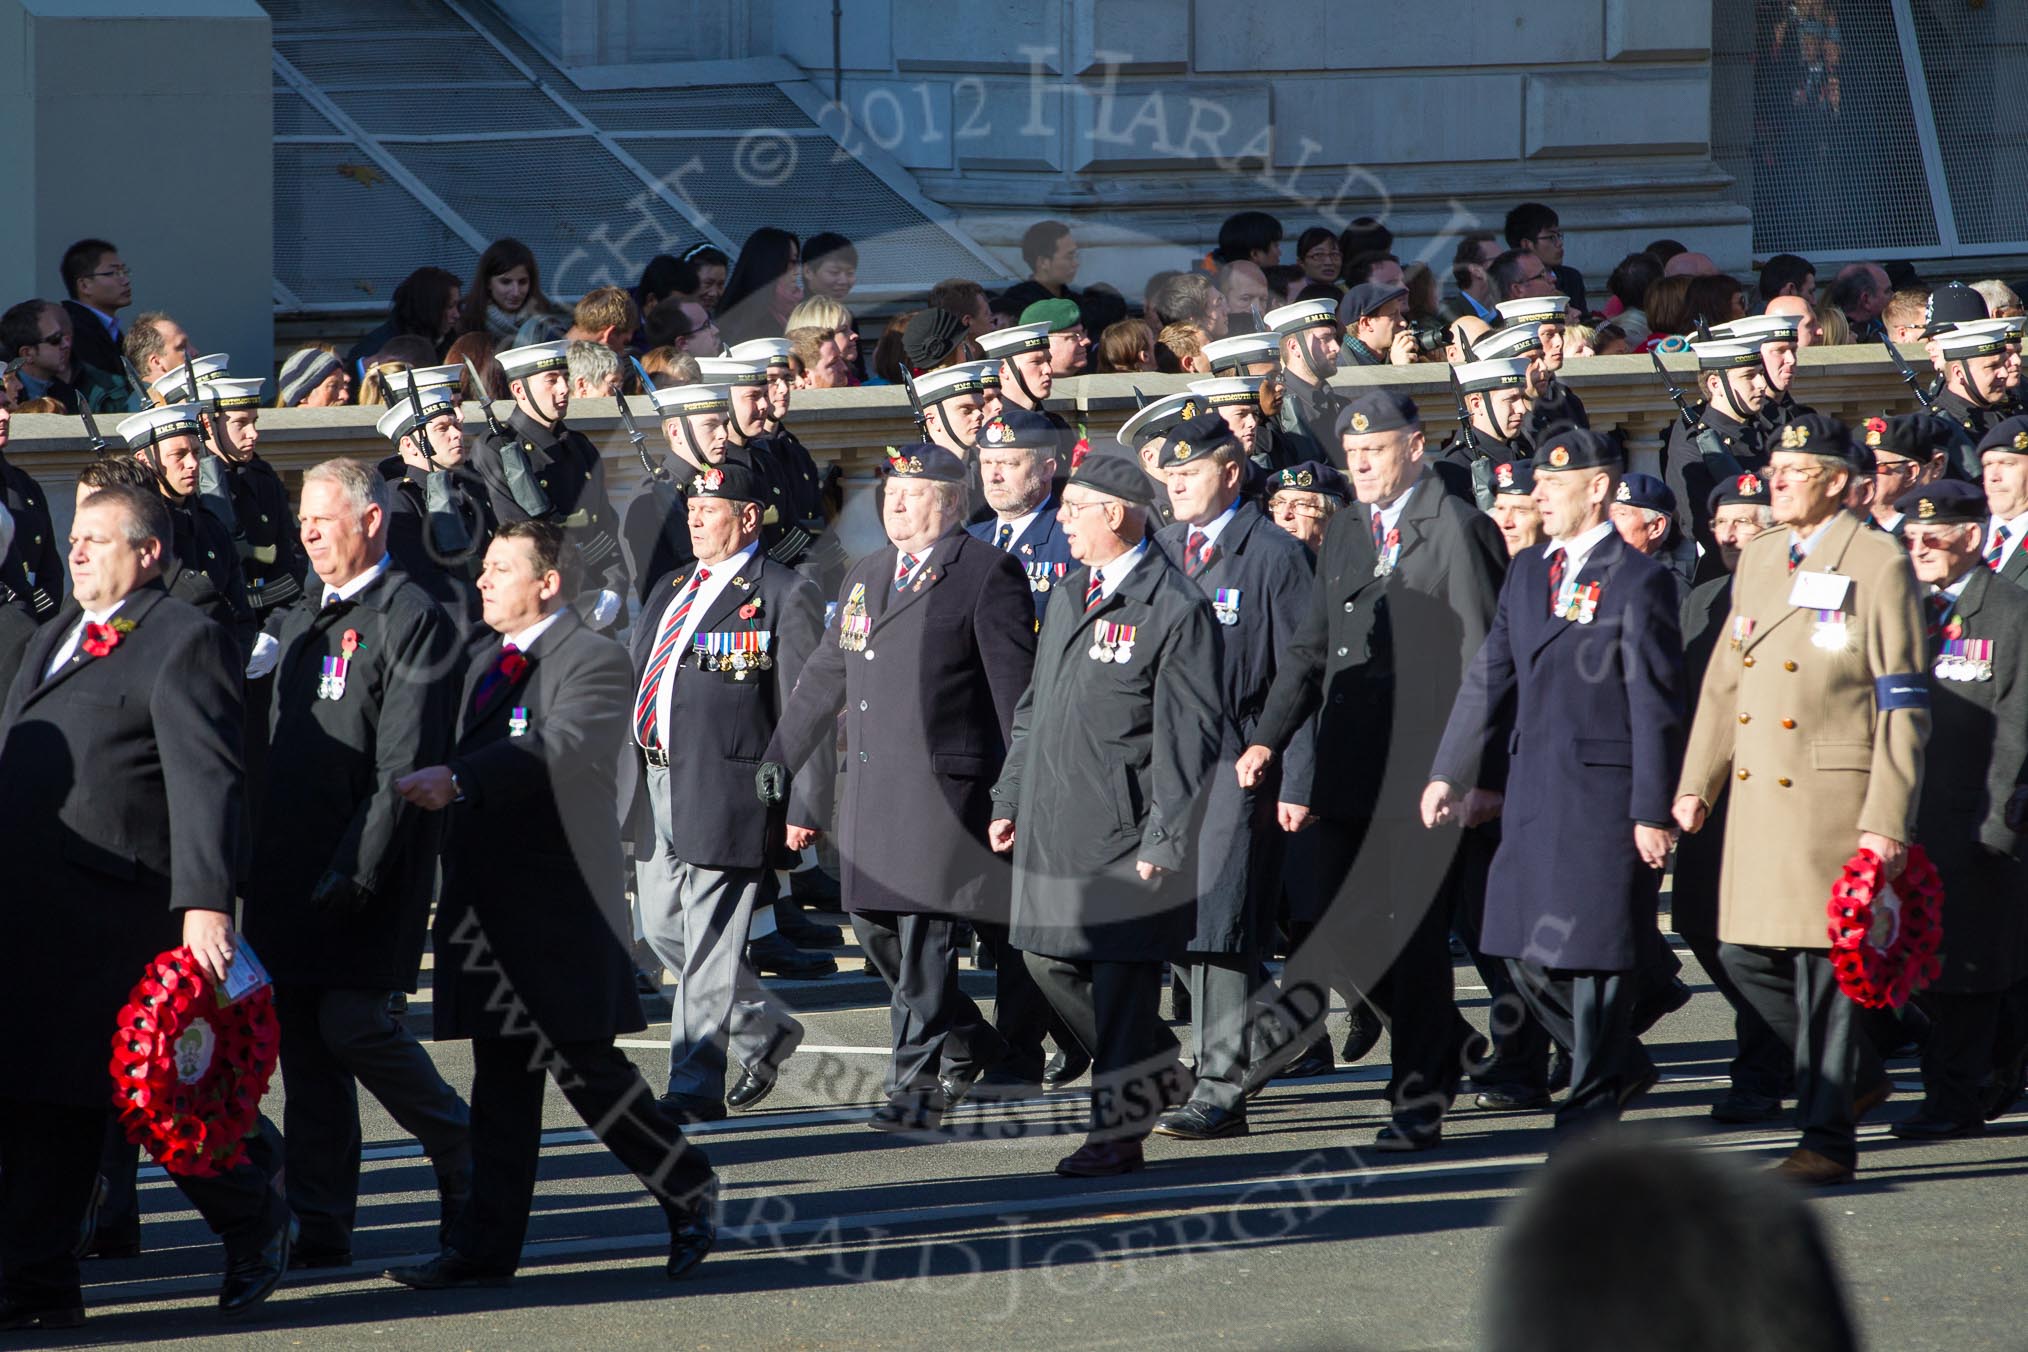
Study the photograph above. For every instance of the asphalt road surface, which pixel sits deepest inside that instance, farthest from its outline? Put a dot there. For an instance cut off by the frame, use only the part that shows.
(839, 1237)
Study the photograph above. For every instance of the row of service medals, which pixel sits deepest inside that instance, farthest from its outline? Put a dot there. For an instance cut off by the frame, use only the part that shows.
(740, 652)
(1829, 632)
(855, 626)
(1965, 659)
(331, 678)
(1043, 576)
(1577, 603)
(1225, 605)
(1111, 642)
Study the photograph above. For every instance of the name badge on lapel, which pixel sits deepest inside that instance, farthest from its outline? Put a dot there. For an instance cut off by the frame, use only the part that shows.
(1111, 642)
(517, 720)
(1225, 605)
(1965, 659)
(1819, 591)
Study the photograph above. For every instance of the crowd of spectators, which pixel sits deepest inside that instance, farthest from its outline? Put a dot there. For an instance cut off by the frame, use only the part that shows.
(89, 350)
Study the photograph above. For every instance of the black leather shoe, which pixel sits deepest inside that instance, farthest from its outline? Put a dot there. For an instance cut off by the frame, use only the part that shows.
(772, 955)
(88, 1228)
(303, 1257)
(1638, 1087)
(251, 1280)
(449, 1268)
(1923, 1127)
(646, 982)
(1007, 1084)
(1315, 1060)
(692, 1107)
(1201, 1122)
(1742, 1107)
(1102, 1159)
(15, 1314)
(693, 1234)
(1065, 1066)
(1395, 1141)
(808, 934)
(1512, 1098)
(757, 1081)
(954, 1085)
(1663, 1001)
(900, 1118)
(2005, 1091)
(115, 1243)
(815, 887)
(1364, 1031)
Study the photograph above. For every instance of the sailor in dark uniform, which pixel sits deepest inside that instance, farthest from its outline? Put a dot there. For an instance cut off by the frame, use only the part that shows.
(1022, 350)
(1310, 343)
(167, 439)
(1775, 336)
(951, 402)
(441, 517)
(1259, 355)
(656, 524)
(1556, 404)
(540, 470)
(1142, 435)
(1977, 388)
(1735, 392)
(1496, 399)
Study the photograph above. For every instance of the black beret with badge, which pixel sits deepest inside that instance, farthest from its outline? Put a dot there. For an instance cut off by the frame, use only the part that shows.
(2009, 435)
(1740, 489)
(1116, 476)
(1646, 491)
(1377, 410)
(1579, 448)
(1020, 428)
(730, 481)
(1816, 434)
(925, 461)
(1947, 502)
(1312, 476)
(1515, 479)
(1195, 439)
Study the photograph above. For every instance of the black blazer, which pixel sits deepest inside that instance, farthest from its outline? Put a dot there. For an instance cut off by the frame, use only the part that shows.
(35, 552)
(91, 345)
(928, 704)
(120, 805)
(330, 804)
(720, 721)
(533, 927)
(1379, 659)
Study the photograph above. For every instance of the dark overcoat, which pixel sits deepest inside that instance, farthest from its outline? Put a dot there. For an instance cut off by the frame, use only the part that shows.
(532, 927)
(1109, 767)
(120, 806)
(330, 802)
(929, 704)
(1592, 717)
(1264, 573)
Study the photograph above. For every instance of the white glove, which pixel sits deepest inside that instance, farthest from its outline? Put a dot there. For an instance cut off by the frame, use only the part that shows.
(608, 606)
(267, 651)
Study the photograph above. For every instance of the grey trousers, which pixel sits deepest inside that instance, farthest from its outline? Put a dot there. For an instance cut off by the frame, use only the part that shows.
(696, 920)
(1796, 991)
(1222, 989)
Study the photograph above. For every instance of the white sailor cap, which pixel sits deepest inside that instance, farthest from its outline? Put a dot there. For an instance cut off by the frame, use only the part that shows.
(521, 362)
(1242, 349)
(1725, 354)
(1516, 340)
(400, 418)
(425, 377)
(151, 425)
(1534, 310)
(679, 400)
(1304, 314)
(1014, 339)
(232, 395)
(947, 382)
(1226, 390)
(728, 371)
(1758, 329)
(1492, 373)
(1159, 417)
(1974, 338)
(174, 385)
(772, 353)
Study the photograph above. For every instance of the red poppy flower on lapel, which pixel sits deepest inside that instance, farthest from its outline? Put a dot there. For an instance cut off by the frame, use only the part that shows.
(100, 639)
(749, 610)
(512, 665)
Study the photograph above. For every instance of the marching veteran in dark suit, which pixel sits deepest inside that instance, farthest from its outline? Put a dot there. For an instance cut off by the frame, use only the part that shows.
(1406, 587)
(1814, 713)
(1257, 579)
(1017, 472)
(932, 645)
(1977, 628)
(120, 789)
(1102, 797)
(541, 470)
(718, 648)
(338, 895)
(1580, 679)
(532, 933)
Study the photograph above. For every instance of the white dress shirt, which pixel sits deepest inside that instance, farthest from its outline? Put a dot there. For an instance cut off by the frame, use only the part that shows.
(1577, 551)
(357, 584)
(1390, 515)
(1112, 574)
(1018, 526)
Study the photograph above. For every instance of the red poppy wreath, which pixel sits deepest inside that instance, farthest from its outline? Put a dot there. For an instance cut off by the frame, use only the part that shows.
(189, 1073)
(1884, 940)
